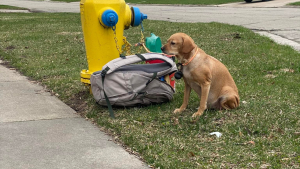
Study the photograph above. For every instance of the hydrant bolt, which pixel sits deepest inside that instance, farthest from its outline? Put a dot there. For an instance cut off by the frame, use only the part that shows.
(111, 19)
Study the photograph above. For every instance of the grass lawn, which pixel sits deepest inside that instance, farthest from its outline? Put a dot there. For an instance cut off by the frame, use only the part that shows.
(11, 7)
(185, 2)
(192, 2)
(263, 132)
(295, 3)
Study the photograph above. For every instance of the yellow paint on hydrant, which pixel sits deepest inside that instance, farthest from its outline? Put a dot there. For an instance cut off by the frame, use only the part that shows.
(103, 23)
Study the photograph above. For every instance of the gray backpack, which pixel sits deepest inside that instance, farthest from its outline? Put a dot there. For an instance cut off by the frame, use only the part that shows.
(123, 83)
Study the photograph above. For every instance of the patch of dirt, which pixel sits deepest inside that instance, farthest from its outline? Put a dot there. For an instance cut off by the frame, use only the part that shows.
(11, 47)
(6, 64)
(78, 102)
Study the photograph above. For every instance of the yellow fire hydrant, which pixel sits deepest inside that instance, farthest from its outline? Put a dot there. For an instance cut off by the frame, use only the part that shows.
(103, 23)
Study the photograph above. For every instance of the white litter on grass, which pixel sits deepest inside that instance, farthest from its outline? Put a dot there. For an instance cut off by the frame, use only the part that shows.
(218, 134)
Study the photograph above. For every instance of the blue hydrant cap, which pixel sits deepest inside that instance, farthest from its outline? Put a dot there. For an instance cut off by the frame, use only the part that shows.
(109, 18)
(138, 17)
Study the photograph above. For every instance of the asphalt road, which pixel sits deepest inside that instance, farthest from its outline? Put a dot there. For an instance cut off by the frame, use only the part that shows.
(269, 18)
(280, 24)
(260, 4)
(28, 112)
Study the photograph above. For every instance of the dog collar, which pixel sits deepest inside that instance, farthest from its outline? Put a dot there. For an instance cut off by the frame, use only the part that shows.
(184, 64)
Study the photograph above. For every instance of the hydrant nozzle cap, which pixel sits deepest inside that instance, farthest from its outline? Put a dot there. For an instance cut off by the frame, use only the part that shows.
(138, 17)
(109, 18)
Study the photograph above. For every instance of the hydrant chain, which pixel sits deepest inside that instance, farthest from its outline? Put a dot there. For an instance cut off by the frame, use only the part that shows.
(116, 40)
(142, 38)
(142, 27)
(127, 47)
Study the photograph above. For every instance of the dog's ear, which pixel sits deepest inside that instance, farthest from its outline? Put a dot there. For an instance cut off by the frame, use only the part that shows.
(187, 44)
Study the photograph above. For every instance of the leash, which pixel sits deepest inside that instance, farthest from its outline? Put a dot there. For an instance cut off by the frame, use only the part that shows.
(147, 50)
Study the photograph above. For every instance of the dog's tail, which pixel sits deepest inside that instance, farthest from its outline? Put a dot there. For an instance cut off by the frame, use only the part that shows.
(229, 100)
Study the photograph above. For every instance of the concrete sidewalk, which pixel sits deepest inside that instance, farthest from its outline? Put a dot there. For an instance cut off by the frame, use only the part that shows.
(38, 131)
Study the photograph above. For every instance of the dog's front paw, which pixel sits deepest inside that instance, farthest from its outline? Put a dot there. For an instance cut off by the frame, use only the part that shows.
(197, 114)
(177, 111)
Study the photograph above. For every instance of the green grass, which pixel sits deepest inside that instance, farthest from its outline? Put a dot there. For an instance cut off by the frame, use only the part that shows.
(295, 3)
(263, 131)
(186, 2)
(11, 7)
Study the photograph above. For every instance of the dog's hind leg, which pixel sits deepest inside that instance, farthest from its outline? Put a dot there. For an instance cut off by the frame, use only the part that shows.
(229, 100)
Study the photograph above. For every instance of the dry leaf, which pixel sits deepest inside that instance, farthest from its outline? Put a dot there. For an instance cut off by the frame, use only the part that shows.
(264, 166)
(191, 154)
(271, 136)
(297, 133)
(280, 131)
(176, 122)
(270, 76)
(251, 142)
(288, 70)
(241, 134)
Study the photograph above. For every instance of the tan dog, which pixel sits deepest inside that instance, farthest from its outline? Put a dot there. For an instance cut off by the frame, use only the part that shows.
(207, 76)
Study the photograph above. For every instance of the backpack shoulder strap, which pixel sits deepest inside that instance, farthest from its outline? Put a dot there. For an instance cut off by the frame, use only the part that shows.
(119, 62)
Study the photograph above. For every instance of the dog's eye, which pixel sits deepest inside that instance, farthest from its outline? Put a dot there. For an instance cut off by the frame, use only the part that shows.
(172, 43)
